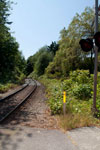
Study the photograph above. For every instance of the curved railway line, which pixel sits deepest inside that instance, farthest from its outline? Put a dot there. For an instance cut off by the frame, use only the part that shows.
(13, 101)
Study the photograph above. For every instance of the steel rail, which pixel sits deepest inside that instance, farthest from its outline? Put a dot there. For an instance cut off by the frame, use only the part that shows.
(20, 104)
(15, 92)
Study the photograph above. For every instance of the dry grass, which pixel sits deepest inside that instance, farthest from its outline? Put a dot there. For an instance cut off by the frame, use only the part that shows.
(70, 121)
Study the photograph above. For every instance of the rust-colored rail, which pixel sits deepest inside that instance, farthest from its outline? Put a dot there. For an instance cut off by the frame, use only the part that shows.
(12, 109)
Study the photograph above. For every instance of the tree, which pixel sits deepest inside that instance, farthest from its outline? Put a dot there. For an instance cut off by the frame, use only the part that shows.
(29, 65)
(53, 47)
(4, 14)
(10, 57)
(70, 56)
(42, 63)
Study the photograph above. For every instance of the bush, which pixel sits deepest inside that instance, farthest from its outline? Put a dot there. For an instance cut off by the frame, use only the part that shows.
(78, 86)
(6, 87)
(82, 91)
(56, 106)
(80, 76)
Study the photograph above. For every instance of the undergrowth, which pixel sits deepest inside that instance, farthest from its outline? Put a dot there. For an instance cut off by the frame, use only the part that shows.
(79, 101)
(5, 87)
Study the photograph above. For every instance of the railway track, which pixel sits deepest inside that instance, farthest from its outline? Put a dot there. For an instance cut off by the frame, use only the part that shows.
(12, 102)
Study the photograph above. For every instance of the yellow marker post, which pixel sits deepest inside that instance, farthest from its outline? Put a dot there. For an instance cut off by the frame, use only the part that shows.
(64, 102)
(64, 97)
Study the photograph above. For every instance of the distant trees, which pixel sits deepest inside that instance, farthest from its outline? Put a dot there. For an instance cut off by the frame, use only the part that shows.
(29, 65)
(31, 61)
(39, 62)
(42, 63)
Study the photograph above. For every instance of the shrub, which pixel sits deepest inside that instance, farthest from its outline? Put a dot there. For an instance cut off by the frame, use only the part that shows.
(82, 91)
(56, 106)
(80, 76)
(6, 87)
(78, 86)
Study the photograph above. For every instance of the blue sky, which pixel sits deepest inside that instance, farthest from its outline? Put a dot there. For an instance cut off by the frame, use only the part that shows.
(38, 22)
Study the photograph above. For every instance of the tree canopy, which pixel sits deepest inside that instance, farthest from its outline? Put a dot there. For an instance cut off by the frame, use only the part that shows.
(11, 59)
(70, 56)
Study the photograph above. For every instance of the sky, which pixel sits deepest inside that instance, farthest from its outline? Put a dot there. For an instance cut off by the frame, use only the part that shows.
(37, 23)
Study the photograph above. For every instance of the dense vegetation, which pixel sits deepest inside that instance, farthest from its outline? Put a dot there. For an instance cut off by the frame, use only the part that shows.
(12, 63)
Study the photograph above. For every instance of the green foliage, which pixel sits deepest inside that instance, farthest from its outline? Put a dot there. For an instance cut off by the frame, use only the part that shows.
(33, 75)
(79, 90)
(4, 14)
(18, 77)
(38, 62)
(10, 57)
(79, 106)
(97, 114)
(70, 57)
(98, 97)
(20, 62)
(81, 84)
(29, 65)
(31, 61)
(53, 48)
(80, 76)
(55, 106)
(42, 63)
(54, 90)
(82, 91)
(5, 87)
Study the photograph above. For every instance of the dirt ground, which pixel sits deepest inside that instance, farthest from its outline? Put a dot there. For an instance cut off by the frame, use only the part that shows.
(35, 112)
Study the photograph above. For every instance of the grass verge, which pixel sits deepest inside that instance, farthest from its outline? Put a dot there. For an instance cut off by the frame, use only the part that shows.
(5, 87)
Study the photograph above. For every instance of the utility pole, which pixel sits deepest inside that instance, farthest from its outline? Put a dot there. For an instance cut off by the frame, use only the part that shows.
(96, 58)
